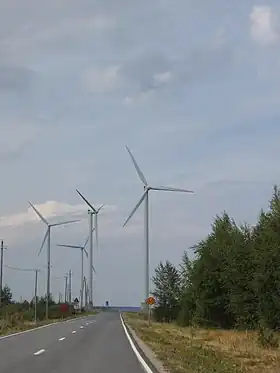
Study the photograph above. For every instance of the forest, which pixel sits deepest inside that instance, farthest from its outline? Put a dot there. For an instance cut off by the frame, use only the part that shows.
(233, 280)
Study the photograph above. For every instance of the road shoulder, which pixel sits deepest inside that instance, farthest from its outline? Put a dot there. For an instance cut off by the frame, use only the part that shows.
(145, 352)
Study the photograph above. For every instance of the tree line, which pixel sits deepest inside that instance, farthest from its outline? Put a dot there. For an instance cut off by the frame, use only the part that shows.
(233, 280)
(26, 309)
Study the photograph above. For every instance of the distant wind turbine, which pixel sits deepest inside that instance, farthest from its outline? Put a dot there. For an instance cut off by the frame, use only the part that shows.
(83, 250)
(145, 197)
(48, 236)
(92, 211)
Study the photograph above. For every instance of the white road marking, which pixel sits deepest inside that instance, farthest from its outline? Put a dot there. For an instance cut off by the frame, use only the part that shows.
(139, 357)
(81, 327)
(39, 352)
(74, 331)
(61, 339)
(40, 327)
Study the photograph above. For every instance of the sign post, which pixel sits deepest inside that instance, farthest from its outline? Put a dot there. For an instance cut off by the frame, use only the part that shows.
(150, 302)
(76, 304)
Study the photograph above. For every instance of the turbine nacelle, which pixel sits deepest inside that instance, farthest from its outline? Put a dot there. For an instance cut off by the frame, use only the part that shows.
(48, 232)
(93, 211)
(148, 188)
(83, 248)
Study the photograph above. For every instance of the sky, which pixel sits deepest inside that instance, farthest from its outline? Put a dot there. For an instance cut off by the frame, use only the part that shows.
(192, 87)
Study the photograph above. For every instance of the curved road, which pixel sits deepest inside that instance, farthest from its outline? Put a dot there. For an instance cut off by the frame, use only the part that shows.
(93, 344)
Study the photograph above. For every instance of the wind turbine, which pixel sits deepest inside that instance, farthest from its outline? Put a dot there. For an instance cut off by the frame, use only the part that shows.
(91, 212)
(145, 198)
(83, 250)
(48, 236)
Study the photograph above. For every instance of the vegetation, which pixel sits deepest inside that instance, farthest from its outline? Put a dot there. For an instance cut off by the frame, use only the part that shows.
(205, 350)
(16, 316)
(233, 280)
(224, 304)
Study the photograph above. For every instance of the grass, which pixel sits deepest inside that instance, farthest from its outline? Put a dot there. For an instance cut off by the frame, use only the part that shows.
(193, 350)
(22, 325)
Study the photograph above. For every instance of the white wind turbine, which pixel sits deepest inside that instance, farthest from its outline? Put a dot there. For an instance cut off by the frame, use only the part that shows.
(92, 211)
(48, 236)
(83, 250)
(145, 197)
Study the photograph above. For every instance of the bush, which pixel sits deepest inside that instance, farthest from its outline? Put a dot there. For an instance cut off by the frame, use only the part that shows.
(267, 338)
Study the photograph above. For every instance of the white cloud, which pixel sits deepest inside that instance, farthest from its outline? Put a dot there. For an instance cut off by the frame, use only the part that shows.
(49, 210)
(100, 80)
(264, 24)
(163, 77)
(141, 98)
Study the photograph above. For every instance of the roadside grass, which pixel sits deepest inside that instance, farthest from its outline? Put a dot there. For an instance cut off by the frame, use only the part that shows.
(194, 350)
(7, 327)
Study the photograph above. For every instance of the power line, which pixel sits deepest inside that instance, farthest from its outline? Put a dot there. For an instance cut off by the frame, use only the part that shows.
(22, 269)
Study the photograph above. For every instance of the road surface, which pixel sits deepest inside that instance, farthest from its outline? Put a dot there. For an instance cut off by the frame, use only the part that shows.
(94, 344)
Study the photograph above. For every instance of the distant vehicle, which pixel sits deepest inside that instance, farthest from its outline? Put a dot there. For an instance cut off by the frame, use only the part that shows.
(107, 303)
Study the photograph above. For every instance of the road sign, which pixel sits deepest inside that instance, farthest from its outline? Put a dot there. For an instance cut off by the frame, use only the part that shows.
(76, 300)
(151, 301)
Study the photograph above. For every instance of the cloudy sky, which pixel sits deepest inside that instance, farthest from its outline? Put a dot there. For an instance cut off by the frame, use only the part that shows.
(191, 86)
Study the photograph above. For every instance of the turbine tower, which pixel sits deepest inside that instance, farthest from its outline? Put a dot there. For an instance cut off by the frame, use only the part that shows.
(83, 250)
(145, 198)
(48, 237)
(92, 211)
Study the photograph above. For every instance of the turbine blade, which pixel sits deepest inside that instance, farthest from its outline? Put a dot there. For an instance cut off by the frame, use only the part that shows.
(136, 207)
(100, 208)
(88, 239)
(44, 240)
(64, 222)
(93, 269)
(170, 189)
(38, 213)
(140, 173)
(72, 246)
(86, 252)
(86, 201)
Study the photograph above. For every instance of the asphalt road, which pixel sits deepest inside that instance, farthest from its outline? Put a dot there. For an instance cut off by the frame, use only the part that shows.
(95, 344)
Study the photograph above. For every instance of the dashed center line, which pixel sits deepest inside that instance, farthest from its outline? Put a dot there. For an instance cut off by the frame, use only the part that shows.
(61, 339)
(81, 327)
(74, 331)
(39, 352)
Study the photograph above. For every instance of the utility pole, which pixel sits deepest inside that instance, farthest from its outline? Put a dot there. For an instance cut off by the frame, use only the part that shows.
(85, 288)
(1, 273)
(70, 286)
(66, 288)
(35, 293)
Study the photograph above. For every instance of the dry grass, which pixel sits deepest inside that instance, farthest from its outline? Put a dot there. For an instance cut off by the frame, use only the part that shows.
(195, 350)
(8, 327)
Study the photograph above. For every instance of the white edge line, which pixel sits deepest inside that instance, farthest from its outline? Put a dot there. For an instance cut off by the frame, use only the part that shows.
(39, 352)
(38, 328)
(139, 357)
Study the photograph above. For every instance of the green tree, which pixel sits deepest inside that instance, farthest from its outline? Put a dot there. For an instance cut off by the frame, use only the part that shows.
(6, 295)
(234, 278)
(167, 291)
